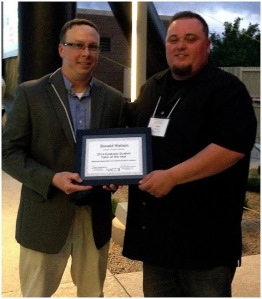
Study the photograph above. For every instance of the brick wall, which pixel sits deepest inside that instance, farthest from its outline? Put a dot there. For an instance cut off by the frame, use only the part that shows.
(111, 70)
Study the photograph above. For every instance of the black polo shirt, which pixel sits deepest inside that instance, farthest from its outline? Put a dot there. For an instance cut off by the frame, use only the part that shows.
(198, 224)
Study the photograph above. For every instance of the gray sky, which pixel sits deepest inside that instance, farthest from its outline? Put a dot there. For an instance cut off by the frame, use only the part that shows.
(215, 13)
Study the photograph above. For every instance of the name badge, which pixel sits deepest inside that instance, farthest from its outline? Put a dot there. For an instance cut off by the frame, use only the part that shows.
(158, 126)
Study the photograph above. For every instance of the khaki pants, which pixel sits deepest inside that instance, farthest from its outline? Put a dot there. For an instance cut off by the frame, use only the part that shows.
(41, 273)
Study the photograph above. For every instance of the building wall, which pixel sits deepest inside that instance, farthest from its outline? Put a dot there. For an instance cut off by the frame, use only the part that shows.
(250, 76)
(111, 65)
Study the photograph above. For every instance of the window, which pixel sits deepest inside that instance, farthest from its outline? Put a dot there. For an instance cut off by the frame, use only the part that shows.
(105, 44)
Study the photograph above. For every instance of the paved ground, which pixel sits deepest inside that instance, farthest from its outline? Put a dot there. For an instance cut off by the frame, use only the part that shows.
(246, 283)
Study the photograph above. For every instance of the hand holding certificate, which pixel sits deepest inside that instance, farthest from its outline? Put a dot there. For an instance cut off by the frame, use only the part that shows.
(114, 156)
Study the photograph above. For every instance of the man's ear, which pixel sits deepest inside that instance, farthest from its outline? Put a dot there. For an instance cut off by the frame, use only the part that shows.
(61, 50)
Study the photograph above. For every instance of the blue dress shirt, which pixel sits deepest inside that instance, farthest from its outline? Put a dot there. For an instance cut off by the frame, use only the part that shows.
(80, 105)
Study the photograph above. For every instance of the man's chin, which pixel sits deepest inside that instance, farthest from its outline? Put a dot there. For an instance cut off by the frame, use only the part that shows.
(182, 71)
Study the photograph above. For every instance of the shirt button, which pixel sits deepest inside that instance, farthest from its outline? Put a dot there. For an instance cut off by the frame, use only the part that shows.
(144, 203)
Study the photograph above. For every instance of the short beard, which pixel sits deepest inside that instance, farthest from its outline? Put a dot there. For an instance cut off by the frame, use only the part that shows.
(184, 72)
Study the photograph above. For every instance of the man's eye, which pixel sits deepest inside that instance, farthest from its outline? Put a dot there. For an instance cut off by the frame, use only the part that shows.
(80, 46)
(172, 40)
(191, 39)
(93, 47)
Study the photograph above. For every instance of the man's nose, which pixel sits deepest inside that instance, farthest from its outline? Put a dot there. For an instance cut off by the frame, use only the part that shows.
(86, 51)
(181, 44)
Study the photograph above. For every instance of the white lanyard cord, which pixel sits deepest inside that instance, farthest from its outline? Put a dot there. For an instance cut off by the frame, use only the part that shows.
(171, 109)
(156, 106)
(67, 115)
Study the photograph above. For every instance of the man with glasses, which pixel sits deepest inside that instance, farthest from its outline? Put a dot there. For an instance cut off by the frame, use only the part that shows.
(184, 218)
(58, 217)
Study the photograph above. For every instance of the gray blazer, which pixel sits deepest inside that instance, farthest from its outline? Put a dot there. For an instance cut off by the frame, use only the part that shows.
(38, 141)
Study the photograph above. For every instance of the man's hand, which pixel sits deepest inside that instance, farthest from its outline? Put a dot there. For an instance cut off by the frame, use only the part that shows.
(112, 187)
(68, 182)
(212, 160)
(158, 183)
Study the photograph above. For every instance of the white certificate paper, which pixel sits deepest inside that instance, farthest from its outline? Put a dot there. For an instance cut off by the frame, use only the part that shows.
(113, 157)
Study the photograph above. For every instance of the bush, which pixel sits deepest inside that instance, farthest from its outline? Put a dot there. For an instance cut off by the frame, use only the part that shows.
(114, 205)
(253, 184)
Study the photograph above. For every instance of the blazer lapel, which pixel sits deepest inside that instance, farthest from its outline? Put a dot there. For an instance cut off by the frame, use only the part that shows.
(58, 96)
(97, 104)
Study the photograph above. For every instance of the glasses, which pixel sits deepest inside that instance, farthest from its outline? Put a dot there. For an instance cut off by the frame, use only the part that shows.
(82, 47)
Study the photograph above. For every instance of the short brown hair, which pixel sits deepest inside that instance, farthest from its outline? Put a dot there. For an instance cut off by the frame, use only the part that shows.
(187, 14)
(75, 22)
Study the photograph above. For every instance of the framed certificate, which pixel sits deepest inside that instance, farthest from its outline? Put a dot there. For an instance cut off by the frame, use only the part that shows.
(120, 156)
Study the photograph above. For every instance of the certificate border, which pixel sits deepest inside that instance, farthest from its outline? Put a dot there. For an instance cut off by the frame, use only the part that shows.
(82, 135)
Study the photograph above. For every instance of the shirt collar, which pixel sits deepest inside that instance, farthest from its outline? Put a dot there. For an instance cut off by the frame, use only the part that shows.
(70, 89)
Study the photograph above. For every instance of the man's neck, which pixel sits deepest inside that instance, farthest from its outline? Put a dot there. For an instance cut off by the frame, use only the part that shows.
(80, 85)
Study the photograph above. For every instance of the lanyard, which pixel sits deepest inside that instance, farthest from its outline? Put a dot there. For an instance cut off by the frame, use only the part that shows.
(172, 109)
(159, 125)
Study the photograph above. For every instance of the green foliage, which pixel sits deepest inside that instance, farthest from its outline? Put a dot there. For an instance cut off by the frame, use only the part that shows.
(114, 205)
(253, 184)
(236, 47)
